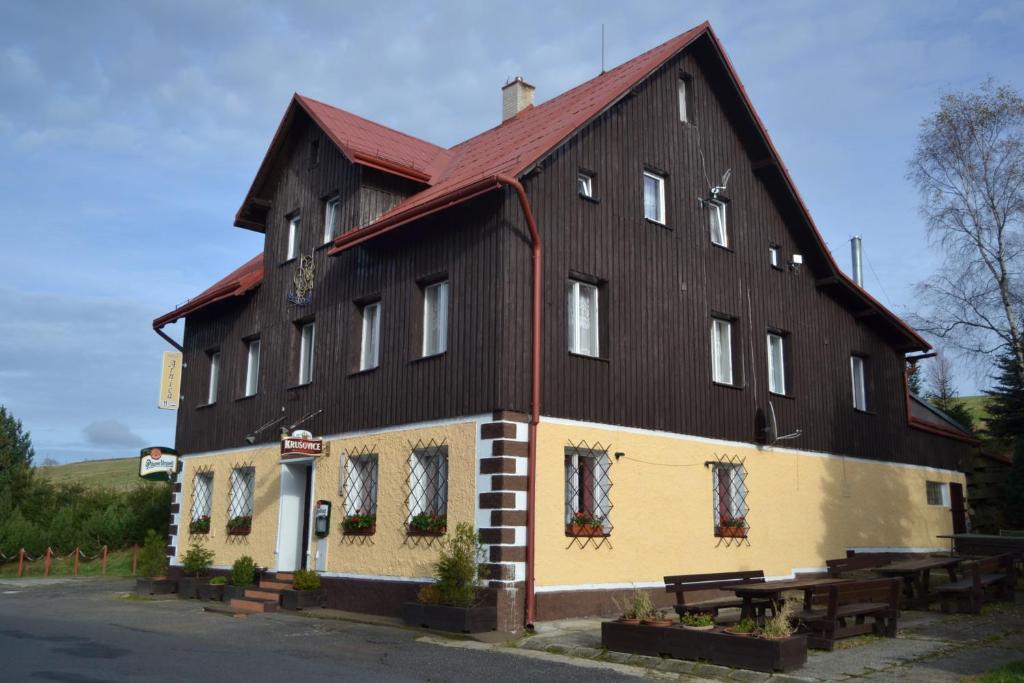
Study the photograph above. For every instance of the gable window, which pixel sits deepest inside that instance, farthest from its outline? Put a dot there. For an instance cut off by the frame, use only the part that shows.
(428, 491)
(583, 319)
(252, 368)
(293, 237)
(717, 222)
(937, 493)
(684, 95)
(587, 485)
(242, 487)
(331, 217)
(775, 256)
(211, 396)
(654, 197)
(585, 184)
(369, 347)
(307, 340)
(776, 363)
(360, 493)
(729, 492)
(721, 351)
(435, 318)
(202, 497)
(857, 380)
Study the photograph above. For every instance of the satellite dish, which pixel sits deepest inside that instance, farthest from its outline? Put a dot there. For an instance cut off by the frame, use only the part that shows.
(722, 186)
(771, 427)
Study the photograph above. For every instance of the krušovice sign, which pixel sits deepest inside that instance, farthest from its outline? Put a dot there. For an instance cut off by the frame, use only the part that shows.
(299, 447)
(158, 463)
(170, 381)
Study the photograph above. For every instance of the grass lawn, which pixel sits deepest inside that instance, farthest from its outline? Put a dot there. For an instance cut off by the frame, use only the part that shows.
(119, 563)
(1011, 673)
(977, 407)
(117, 473)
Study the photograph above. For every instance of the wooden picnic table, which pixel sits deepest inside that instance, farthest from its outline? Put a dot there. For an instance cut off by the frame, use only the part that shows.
(916, 575)
(773, 590)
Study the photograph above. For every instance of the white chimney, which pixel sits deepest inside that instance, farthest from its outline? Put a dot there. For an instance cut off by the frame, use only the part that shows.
(855, 253)
(516, 95)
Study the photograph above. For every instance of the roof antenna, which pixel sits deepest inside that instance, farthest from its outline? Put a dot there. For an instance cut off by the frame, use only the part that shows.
(602, 48)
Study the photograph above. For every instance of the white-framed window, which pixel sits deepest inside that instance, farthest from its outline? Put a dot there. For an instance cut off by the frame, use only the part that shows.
(654, 197)
(435, 318)
(369, 347)
(360, 485)
(211, 396)
(717, 223)
(774, 256)
(729, 486)
(202, 495)
(585, 184)
(587, 488)
(721, 351)
(857, 381)
(937, 493)
(294, 223)
(583, 319)
(252, 367)
(307, 343)
(776, 363)
(243, 487)
(332, 215)
(683, 86)
(428, 482)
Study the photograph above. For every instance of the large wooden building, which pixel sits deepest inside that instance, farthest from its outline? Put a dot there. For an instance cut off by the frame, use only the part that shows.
(574, 330)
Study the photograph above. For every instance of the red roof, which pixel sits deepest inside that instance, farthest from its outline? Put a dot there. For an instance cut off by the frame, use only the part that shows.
(239, 282)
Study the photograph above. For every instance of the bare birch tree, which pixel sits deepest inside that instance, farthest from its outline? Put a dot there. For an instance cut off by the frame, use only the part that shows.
(969, 169)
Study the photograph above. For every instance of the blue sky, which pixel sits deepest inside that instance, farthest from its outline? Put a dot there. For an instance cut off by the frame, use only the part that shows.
(130, 131)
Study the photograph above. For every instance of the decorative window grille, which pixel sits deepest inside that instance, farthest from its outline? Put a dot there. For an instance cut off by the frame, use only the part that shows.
(588, 486)
(583, 319)
(937, 492)
(428, 488)
(359, 482)
(202, 500)
(243, 486)
(729, 498)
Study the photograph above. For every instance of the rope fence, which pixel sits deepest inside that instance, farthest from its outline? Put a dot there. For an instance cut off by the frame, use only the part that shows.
(49, 556)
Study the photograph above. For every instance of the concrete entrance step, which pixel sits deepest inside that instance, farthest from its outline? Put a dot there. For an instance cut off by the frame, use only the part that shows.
(270, 584)
(263, 593)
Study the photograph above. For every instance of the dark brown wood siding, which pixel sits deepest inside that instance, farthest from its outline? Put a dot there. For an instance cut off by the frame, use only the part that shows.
(662, 285)
(462, 245)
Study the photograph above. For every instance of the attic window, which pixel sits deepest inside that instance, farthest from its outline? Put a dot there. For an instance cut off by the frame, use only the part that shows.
(585, 184)
(314, 153)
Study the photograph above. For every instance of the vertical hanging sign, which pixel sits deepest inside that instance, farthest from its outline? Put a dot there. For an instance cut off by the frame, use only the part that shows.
(170, 381)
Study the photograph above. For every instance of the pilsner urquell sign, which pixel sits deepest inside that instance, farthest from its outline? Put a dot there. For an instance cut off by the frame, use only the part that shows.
(158, 463)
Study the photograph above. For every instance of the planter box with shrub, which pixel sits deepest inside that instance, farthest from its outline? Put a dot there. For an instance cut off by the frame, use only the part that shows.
(155, 585)
(240, 526)
(305, 592)
(188, 586)
(448, 618)
(359, 525)
(427, 524)
(212, 591)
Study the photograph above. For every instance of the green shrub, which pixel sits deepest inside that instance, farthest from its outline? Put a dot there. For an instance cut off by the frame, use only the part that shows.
(457, 570)
(219, 581)
(152, 557)
(306, 580)
(198, 559)
(429, 595)
(243, 571)
(698, 619)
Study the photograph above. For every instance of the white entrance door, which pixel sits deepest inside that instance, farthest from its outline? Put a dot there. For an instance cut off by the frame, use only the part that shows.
(290, 518)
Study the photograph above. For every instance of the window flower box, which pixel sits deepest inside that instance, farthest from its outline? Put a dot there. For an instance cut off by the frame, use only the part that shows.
(200, 526)
(240, 526)
(585, 525)
(428, 524)
(359, 525)
(732, 528)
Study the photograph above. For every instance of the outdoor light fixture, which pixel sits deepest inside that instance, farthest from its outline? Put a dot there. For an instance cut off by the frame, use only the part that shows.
(796, 262)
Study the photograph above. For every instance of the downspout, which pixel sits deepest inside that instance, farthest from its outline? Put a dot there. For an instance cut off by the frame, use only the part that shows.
(531, 457)
(160, 331)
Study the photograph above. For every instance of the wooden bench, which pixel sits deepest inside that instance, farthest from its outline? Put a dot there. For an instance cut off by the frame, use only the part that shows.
(861, 563)
(691, 583)
(968, 594)
(840, 610)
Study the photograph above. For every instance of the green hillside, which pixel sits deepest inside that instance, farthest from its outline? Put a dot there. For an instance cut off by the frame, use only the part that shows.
(976, 405)
(116, 473)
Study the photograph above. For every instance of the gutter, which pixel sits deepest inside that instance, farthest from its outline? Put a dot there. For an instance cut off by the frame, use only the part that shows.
(351, 239)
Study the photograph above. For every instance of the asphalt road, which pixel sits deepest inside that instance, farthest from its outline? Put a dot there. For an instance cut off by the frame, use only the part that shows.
(85, 631)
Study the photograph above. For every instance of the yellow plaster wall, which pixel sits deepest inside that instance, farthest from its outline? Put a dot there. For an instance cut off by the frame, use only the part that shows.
(261, 542)
(389, 552)
(802, 509)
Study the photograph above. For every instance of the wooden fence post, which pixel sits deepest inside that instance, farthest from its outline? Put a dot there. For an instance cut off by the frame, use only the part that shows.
(77, 550)
(103, 566)
(48, 562)
(135, 558)
(21, 562)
